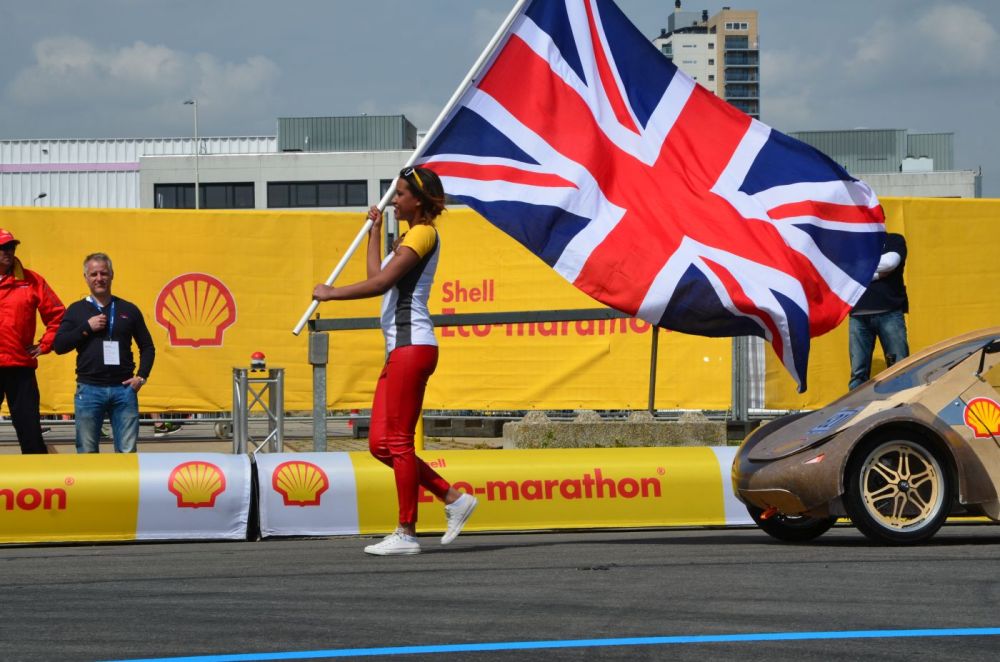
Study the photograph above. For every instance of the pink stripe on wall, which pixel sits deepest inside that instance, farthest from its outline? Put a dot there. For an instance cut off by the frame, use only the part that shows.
(69, 167)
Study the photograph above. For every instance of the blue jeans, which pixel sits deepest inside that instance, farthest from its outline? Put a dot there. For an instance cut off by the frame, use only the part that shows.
(91, 404)
(889, 328)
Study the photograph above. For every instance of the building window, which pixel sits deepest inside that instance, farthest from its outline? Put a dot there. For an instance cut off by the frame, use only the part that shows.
(711, 61)
(711, 45)
(317, 194)
(711, 77)
(738, 25)
(214, 195)
(383, 186)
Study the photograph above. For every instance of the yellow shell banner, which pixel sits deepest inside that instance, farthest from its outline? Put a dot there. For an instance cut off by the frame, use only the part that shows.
(216, 286)
(66, 498)
(520, 490)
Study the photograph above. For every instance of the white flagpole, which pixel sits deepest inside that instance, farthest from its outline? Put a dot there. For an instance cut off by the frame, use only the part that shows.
(469, 78)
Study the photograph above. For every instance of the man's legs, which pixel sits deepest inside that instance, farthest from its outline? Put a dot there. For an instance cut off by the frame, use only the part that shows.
(891, 328)
(124, 404)
(89, 406)
(21, 388)
(861, 344)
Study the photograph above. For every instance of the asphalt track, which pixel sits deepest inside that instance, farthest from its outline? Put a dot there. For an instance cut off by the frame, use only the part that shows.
(704, 594)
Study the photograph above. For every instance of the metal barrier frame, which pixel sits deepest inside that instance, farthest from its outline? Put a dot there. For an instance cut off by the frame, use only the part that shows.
(246, 395)
(319, 345)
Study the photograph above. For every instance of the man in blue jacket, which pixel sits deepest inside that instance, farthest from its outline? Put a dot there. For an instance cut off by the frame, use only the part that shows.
(101, 328)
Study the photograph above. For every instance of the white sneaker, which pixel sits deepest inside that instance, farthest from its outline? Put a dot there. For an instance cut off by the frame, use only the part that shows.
(396, 543)
(458, 514)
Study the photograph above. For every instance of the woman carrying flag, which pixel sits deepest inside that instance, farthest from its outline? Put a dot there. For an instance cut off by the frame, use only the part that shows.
(404, 279)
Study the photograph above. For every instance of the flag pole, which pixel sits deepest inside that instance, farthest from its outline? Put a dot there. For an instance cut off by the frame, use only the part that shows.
(469, 78)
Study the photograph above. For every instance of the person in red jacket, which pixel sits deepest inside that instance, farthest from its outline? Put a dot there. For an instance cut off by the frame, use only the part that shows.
(23, 293)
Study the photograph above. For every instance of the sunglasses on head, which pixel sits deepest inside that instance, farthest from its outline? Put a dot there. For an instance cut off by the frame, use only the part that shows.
(413, 171)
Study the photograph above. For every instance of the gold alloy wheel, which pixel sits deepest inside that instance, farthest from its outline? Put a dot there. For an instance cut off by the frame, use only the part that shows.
(902, 485)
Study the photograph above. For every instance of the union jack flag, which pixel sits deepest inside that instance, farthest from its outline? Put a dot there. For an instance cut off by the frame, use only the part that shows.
(584, 143)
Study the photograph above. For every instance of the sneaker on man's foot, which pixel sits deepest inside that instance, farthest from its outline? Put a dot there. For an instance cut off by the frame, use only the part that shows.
(163, 429)
(396, 543)
(457, 514)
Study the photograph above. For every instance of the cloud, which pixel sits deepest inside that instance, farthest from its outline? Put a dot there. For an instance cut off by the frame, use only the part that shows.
(961, 36)
(72, 73)
(945, 44)
(903, 71)
(790, 100)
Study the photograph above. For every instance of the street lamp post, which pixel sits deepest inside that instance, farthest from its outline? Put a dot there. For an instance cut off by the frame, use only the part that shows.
(197, 197)
(38, 197)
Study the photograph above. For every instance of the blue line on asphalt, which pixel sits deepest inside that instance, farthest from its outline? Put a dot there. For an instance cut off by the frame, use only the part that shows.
(581, 643)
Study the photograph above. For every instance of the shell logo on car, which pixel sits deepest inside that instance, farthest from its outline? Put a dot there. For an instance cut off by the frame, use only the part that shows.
(196, 484)
(983, 416)
(195, 309)
(300, 483)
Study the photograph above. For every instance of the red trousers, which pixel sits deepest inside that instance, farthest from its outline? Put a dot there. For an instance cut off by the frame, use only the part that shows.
(399, 399)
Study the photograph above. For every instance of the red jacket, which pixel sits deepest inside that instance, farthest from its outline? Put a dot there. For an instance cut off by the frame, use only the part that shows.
(22, 293)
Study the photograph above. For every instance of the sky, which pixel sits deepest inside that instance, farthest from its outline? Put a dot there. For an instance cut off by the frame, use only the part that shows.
(122, 68)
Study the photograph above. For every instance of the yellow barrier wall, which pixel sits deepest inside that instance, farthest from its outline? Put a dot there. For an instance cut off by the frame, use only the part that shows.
(268, 263)
(951, 277)
(147, 496)
(252, 273)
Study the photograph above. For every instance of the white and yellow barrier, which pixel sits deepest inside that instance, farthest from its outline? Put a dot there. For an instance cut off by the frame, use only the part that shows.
(204, 496)
(150, 496)
(518, 490)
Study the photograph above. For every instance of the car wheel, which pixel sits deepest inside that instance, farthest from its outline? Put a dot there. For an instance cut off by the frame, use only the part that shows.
(791, 528)
(898, 490)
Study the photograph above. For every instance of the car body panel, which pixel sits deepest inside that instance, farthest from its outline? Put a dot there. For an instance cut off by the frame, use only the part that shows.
(947, 395)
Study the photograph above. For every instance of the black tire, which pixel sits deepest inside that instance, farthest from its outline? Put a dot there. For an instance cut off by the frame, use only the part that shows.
(898, 489)
(791, 528)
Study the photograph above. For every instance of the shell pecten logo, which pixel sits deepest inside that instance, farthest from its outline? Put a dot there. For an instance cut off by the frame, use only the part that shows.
(196, 484)
(983, 416)
(300, 483)
(195, 309)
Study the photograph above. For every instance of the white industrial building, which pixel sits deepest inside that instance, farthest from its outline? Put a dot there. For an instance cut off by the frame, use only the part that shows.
(897, 163)
(315, 162)
(279, 180)
(94, 172)
(347, 163)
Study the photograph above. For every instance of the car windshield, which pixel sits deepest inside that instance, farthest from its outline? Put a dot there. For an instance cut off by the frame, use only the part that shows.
(930, 368)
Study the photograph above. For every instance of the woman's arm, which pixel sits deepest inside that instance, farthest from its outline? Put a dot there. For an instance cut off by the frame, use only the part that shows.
(405, 259)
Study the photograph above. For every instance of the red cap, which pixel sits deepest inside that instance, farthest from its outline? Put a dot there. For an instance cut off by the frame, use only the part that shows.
(7, 238)
(257, 355)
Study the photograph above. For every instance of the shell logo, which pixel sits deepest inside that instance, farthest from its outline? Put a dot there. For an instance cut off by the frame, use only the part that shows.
(299, 483)
(196, 484)
(195, 309)
(983, 416)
